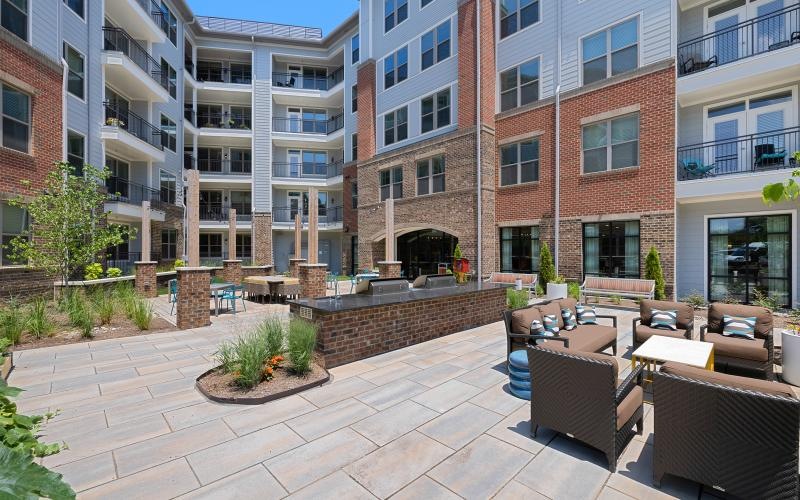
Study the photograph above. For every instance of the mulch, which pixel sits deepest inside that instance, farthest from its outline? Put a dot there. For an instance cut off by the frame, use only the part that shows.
(284, 382)
(119, 328)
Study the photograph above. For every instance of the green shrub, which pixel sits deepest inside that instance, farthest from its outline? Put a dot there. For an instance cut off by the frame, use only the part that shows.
(516, 298)
(760, 298)
(272, 333)
(653, 271)
(547, 269)
(616, 299)
(93, 272)
(178, 263)
(539, 290)
(39, 322)
(113, 272)
(125, 296)
(301, 339)
(12, 321)
(574, 290)
(142, 314)
(226, 357)
(694, 299)
(730, 298)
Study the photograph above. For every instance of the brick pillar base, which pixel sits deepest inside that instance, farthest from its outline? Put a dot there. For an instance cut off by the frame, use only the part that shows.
(146, 283)
(389, 269)
(294, 265)
(232, 271)
(312, 280)
(193, 297)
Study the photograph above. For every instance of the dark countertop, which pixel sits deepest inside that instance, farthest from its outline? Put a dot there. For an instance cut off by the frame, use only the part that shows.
(360, 301)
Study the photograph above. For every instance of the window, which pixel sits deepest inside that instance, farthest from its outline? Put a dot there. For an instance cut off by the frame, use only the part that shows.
(15, 17)
(520, 85)
(436, 111)
(391, 182)
(355, 48)
(354, 194)
(244, 246)
(16, 112)
(169, 77)
(621, 42)
(519, 249)
(171, 28)
(519, 162)
(394, 13)
(354, 101)
(76, 6)
(611, 249)
(354, 150)
(436, 45)
(210, 246)
(611, 144)
(13, 222)
(76, 155)
(169, 243)
(76, 72)
(430, 176)
(168, 133)
(423, 3)
(242, 202)
(168, 186)
(241, 161)
(395, 68)
(517, 15)
(395, 126)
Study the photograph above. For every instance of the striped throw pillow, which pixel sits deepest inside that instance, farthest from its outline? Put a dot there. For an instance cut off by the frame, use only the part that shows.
(537, 328)
(733, 326)
(586, 315)
(550, 325)
(569, 319)
(666, 320)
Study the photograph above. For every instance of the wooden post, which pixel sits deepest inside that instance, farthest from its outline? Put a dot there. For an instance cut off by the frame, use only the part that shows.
(232, 234)
(313, 236)
(298, 236)
(193, 216)
(145, 231)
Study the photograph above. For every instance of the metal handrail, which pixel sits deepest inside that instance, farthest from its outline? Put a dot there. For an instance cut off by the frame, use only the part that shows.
(134, 125)
(190, 115)
(327, 215)
(224, 120)
(226, 166)
(221, 213)
(307, 125)
(224, 75)
(306, 170)
(225, 25)
(123, 190)
(297, 81)
(152, 8)
(118, 40)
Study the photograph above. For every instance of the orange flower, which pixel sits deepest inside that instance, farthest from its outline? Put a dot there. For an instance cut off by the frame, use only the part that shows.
(275, 360)
(268, 371)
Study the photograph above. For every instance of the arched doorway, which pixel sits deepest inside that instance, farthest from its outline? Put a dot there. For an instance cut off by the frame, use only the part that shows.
(422, 251)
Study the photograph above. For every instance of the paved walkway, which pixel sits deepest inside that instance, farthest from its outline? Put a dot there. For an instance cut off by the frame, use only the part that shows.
(428, 421)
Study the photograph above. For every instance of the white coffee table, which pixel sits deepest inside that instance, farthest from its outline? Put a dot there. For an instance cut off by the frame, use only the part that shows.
(660, 349)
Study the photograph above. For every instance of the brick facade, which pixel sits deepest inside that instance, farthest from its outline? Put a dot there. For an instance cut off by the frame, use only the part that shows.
(312, 280)
(22, 282)
(366, 109)
(173, 220)
(388, 269)
(193, 306)
(294, 267)
(262, 239)
(232, 271)
(146, 282)
(350, 214)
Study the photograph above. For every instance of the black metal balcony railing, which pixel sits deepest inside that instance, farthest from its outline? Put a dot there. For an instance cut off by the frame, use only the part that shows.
(227, 166)
(224, 25)
(221, 213)
(133, 124)
(308, 125)
(224, 120)
(190, 116)
(327, 215)
(188, 65)
(118, 40)
(224, 75)
(748, 153)
(126, 261)
(123, 190)
(152, 8)
(296, 81)
(306, 170)
(189, 161)
(772, 31)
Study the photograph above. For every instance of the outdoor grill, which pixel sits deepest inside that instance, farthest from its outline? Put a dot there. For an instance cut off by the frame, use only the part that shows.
(386, 286)
(439, 281)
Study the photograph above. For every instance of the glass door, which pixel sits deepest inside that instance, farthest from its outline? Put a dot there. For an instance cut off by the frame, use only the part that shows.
(295, 76)
(767, 117)
(294, 204)
(723, 127)
(295, 118)
(295, 162)
(770, 32)
(729, 44)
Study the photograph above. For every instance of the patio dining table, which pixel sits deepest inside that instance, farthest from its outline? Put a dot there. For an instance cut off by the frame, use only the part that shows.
(217, 289)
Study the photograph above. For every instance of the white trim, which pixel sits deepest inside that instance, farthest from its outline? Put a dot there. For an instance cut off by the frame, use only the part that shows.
(394, 12)
(83, 137)
(638, 14)
(64, 45)
(497, 23)
(498, 90)
(436, 41)
(746, 100)
(30, 118)
(81, 17)
(394, 71)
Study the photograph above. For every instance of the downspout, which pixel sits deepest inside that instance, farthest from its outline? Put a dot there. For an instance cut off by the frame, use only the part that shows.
(478, 137)
(64, 83)
(557, 202)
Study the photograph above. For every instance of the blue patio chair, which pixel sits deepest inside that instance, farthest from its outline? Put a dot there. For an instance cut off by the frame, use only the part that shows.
(173, 295)
(696, 167)
(231, 295)
(353, 281)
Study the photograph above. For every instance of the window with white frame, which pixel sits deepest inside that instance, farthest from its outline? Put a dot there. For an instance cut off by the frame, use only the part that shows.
(395, 126)
(169, 77)
(519, 85)
(435, 45)
(611, 144)
(355, 48)
(169, 243)
(354, 99)
(168, 187)
(436, 111)
(244, 246)
(14, 14)
(76, 152)
(76, 6)
(75, 79)
(15, 109)
(395, 68)
(391, 183)
(171, 28)
(13, 223)
(516, 15)
(519, 162)
(423, 3)
(394, 13)
(430, 175)
(611, 51)
(169, 133)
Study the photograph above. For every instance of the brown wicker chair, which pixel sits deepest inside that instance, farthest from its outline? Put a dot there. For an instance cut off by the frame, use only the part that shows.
(641, 325)
(736, 355)
(736, 434)
(578, 393)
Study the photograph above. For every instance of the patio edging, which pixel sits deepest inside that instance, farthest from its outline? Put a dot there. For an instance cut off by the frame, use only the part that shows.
(263, 399)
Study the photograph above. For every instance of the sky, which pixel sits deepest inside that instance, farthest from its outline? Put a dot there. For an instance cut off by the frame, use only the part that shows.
(325, 14)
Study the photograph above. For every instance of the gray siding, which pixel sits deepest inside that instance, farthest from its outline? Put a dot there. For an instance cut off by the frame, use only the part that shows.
(262, 129)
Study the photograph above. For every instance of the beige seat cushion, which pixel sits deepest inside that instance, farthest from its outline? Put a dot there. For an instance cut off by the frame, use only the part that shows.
(554, 345)
(521, 320)
(685, 312)
(746, 383)
(644, 332)
(734, 347)
(628, 406)
(256, 280)
(763, 317)
(590, 338)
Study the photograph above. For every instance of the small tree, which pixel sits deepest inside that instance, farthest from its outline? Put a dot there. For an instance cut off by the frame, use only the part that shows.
(653, 271)
(547, 269)
(69, 228)
(788, 190)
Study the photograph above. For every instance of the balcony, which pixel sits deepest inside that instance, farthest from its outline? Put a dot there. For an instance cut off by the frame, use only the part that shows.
(144, 19)
(296, 81)
(130, 135)
(239, 74)
(125, 198)
(189, 116)
(296, 89)
(221, 213)
(308, 126)
(328, 216)
(256, 28)
(130, 69)
(225, 167)
(224, 120)
(306, 170)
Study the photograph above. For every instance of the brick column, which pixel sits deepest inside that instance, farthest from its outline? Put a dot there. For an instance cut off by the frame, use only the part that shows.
(262, 238)
(232, 271)
(193, 217)
(367, 108)
(146, 283)
(294, 264)
(312, 280)
(389, 269)
(193, 305)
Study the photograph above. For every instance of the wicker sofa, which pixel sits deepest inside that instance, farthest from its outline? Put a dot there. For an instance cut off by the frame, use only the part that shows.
(737, 355)
(641, 325)
(732, 433)
(588, 338)
(578, 393)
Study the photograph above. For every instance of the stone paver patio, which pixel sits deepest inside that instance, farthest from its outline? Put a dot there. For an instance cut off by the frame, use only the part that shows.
(429, 421)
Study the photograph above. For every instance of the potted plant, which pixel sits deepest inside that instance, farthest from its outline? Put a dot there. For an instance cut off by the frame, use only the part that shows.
(460, 265)
(115, 122)
(790, 349)
(557, 288)
(794, 159)
(6, 358)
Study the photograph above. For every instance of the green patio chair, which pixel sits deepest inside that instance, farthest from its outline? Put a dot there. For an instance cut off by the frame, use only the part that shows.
(696, 167)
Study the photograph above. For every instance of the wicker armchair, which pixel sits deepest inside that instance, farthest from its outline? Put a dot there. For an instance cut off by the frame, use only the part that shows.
(736, 434)
(740, 355)
(577, 393)
(641, 325)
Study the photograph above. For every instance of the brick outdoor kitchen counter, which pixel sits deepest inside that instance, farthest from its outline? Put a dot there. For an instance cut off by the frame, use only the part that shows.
(355, 327)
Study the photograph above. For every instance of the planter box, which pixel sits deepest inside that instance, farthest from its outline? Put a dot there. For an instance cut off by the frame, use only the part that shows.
(7, 366)
(557, 291)
(790, 358)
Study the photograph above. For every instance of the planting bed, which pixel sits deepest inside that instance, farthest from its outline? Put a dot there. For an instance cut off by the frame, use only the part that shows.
(119, 328)
(220, 387)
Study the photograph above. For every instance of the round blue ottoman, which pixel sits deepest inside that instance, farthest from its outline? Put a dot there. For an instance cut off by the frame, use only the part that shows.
(519, 377)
